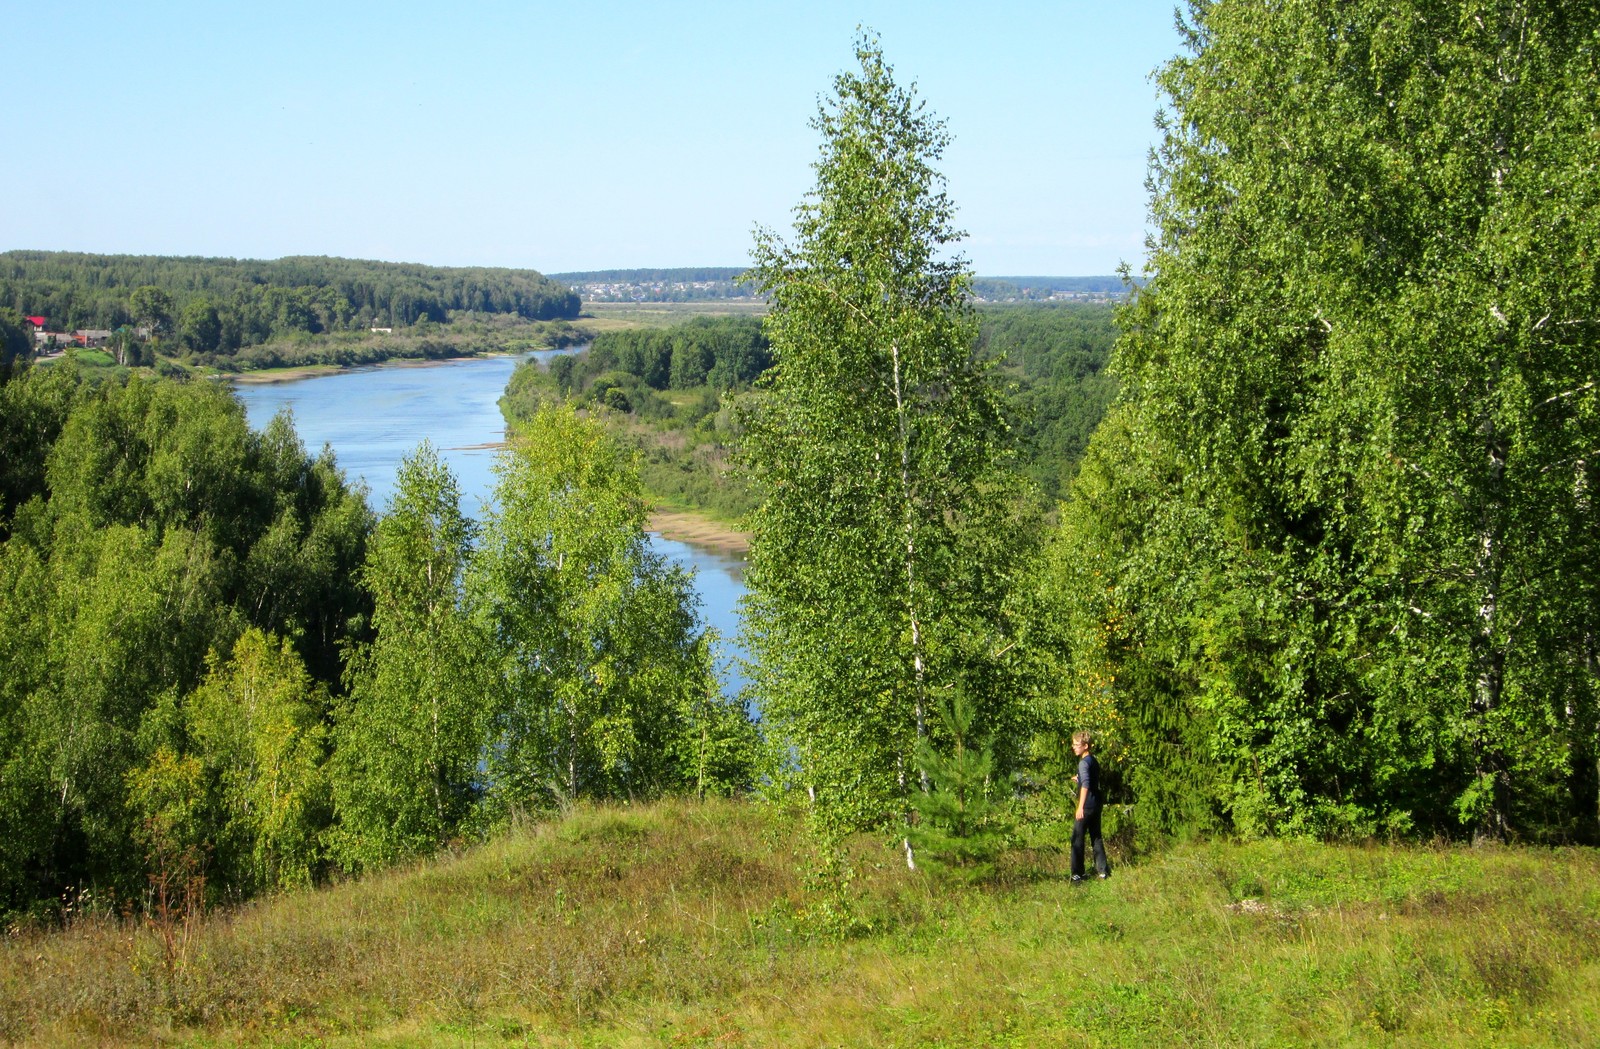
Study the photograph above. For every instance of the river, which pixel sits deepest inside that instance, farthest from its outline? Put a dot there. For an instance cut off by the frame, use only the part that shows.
(373, 417)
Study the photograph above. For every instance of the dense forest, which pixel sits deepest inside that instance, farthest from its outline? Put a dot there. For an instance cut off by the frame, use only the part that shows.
(1053, 358)
(680, 393)
(223, 305)
(1329, 565)
(220, 675)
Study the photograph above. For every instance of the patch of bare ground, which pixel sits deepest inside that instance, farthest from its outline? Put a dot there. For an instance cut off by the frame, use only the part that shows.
(700, 530)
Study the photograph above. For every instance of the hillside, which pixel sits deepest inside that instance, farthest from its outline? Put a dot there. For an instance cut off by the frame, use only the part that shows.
(682, 923)
(315, 309)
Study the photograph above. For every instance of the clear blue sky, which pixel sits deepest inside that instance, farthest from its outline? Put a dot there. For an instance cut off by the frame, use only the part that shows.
(554, 136)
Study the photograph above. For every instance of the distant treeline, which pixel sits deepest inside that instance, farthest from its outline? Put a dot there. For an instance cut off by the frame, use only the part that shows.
(222, 305)
(703, 283)
(1000, 289)
(1056, 355)
(678, 392)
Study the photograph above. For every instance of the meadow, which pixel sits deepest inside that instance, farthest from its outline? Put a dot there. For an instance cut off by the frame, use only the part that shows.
(683, 923)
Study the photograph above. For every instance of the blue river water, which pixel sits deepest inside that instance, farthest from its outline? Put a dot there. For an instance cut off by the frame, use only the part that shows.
(373, 417)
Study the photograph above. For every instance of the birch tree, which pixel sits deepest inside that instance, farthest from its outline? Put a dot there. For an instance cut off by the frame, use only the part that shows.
(413, 731)
(602, 673)
(257, 728)
(878, 446)
(1369, 344)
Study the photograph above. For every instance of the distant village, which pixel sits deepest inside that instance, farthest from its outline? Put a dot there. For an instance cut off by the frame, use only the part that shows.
(664, 291)
(984, 291)
(47, 343)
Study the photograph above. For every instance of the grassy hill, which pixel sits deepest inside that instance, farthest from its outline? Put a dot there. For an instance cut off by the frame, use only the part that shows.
(687, 924)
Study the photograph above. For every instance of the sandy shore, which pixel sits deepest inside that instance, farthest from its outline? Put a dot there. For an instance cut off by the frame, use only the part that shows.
(311, 371)
(271, 375)
(699, 530)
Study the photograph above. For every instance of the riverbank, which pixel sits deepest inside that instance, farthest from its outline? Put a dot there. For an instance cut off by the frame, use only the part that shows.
(272, 375)
(699, 530)
(297, 372)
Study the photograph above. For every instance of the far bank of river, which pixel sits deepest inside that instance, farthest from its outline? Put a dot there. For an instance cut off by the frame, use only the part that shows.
(372, 417)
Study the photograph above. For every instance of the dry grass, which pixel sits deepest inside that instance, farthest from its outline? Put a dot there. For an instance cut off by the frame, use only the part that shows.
(686, 924)
(546, 927)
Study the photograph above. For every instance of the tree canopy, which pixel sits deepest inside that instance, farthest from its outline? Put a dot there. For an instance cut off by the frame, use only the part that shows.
(880, 450)
(159, 559)
(1330, 560)
(254, 300)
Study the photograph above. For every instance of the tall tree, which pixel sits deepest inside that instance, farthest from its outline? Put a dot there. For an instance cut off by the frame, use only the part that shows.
(879, 447)
(201, 327)
(257, 728)
(1369, 344)
(602, 669)
(411, 735)
(15, 342)
(152, 308)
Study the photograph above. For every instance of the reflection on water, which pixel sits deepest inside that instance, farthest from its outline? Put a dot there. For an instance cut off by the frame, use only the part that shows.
(374, 417)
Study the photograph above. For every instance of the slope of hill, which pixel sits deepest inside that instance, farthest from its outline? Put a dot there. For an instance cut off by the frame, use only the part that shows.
(682, 923)
(216, 307)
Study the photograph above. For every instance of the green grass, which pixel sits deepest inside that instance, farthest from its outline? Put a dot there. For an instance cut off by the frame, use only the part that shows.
(685, 924)
(85, 358)
(95, 359)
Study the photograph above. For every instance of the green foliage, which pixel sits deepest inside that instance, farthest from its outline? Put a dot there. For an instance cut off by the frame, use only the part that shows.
(1055, 356)
(201, 328)
(961, 827)
(182, 601)
(144, 527)
(257, 728)
(720, 352)
(890, 529)
(1114, 602)
(15, 343)
(604, 678)
(33, 410)
(1343, 556)
(412, 732)
(683, 431)
(235, 303)
(152, 308)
